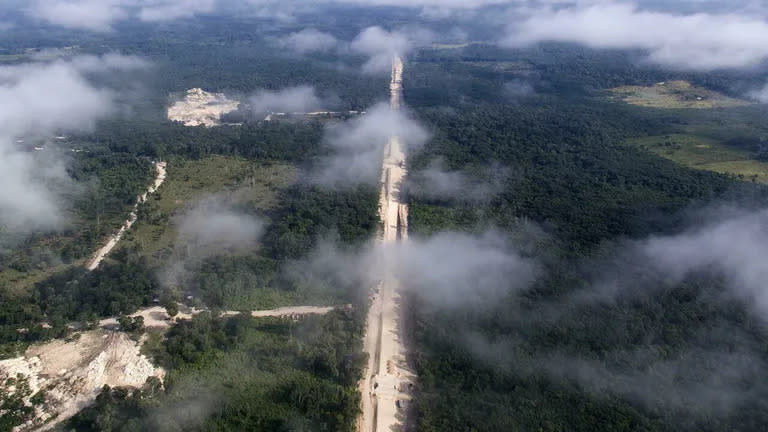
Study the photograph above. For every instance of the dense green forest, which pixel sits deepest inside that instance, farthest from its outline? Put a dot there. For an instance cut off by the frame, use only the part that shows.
(568, 170)
(538, 115)
(470, 74)
(305, 216)
(539, 360)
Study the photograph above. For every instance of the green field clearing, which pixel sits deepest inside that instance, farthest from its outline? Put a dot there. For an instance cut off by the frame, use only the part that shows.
(675, 94)
(705, 154)
(16, 283)
(10, 58)
(246, 182)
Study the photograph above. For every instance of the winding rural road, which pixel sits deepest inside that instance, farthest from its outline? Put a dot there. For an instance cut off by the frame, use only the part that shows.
(387, 385)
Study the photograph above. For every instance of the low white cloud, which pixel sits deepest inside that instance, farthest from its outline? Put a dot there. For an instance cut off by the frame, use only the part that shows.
(380, 46)
(732, 243)
(722, 255)
(760, 95)
(101, 15)
(700, 41)
(41, 99)
(292, 99)
(518, 89)
(214, 226)
(48, 97)
(94, 15)
(166, 10)
(30, 199)
(309, 40)
(449, 269)
(687, 39)
(211, 227)
(727, 244)
(437, 182)
(456, 269)
(357, 145)
(449, 4)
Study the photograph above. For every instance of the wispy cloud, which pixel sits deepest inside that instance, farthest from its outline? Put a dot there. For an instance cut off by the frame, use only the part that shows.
(437, 182)
(450, 270)
(381, 46)
(94, 15)
(309, 40)
(166, 10)
(701, 41)
(357, 146)
(211, 226)
(291, 99)
(42, 98)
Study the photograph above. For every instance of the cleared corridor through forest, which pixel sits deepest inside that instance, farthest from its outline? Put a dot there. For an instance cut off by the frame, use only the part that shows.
(388, 383)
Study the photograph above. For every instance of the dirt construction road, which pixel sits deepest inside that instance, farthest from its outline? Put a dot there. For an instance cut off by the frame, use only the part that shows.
(98, 257)
(388, 383)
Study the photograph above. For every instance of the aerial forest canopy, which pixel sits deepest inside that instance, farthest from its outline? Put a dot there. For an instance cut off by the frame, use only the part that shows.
(580, 230)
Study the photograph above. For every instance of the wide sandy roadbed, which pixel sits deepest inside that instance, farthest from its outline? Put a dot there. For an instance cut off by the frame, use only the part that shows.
(388, 384)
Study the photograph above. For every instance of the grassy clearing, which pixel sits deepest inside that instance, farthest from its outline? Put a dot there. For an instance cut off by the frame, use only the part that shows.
(11, 58)
(190, 179)
(247, 182)
(502, 66)
(448, 46)
(705, 154)
(16, 283)
(675, 94)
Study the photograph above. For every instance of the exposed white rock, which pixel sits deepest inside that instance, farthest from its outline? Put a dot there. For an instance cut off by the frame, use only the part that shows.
(200, 107)
(73, 373)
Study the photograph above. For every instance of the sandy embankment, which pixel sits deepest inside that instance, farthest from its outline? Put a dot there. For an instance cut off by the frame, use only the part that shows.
(98, 257)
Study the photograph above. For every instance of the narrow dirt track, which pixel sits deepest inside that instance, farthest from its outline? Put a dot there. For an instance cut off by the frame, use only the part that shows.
(157, 317)
(98, 257)
(388, 383)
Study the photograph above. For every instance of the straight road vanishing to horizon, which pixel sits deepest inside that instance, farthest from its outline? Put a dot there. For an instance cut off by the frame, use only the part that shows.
(388, 382)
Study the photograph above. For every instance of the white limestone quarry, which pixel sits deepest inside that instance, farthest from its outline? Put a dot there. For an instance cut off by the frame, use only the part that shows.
(200, 107)
(72, 373)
